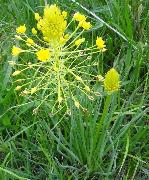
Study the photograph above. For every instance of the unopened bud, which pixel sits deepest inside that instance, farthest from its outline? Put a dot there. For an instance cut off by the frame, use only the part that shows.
(16, 73)
(33, 90)
(87, 88)
(78, 78)
(77, 104)
(18, 88)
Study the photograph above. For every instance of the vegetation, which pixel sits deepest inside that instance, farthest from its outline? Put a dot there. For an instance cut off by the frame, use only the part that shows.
(103, 136)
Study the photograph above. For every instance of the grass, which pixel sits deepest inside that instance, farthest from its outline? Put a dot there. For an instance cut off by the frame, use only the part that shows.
(110, 139)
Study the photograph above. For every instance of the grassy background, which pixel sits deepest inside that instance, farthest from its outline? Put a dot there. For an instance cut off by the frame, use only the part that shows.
(110, 140)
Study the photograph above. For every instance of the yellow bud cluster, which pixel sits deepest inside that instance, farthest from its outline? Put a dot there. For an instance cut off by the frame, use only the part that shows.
(112, 81)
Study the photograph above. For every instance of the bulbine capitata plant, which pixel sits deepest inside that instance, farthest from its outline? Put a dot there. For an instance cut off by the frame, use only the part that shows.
(60, 60)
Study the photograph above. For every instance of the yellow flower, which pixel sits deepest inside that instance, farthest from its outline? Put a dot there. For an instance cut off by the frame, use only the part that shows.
(53, 23)
(21, 29)
(16, 51)
(37, 16)
(86, 25)
(100, 44)
(30, 41)
(43, 54)
(112, 81)
(34, 31)
(79, 17)
(79, 41)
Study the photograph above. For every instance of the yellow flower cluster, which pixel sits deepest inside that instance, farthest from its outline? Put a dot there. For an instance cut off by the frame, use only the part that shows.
(112, 81)
(53, 23)
(57, 70)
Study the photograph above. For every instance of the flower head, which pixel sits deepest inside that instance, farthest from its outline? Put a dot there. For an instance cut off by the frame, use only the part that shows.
(43, 54)
(16, 51)
(112, 81)
(21, 29)
(100, 43)
(53, 23)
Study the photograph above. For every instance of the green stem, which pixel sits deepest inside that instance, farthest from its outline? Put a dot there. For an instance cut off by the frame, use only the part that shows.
(105, 111)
